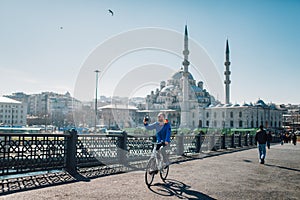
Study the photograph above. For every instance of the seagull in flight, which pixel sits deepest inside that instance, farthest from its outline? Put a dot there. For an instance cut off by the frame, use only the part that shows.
(111, 12)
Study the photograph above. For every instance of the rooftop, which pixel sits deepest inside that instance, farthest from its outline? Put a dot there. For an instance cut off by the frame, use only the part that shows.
(8, 100)
(118, 106)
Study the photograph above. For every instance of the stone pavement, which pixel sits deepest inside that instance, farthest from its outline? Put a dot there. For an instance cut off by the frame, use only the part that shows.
(235, 175)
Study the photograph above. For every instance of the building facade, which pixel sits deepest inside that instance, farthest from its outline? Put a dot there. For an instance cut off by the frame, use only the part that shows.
(48, 108)
(12, 112)
(243, 116)
(118, 116)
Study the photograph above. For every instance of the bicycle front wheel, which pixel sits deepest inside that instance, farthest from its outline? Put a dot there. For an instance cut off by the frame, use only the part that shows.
(151, 170)
(164, 173)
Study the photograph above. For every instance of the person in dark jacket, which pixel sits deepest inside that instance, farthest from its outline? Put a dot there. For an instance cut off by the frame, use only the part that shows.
(294, 138)
(269, 139)
(261, 139)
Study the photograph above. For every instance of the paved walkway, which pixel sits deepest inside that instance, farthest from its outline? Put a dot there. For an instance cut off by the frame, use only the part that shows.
(235, 175)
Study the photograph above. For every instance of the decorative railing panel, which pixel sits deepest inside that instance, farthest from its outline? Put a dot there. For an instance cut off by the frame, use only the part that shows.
(21, 153)
(139, 147)
(189, 144)
(95, 149)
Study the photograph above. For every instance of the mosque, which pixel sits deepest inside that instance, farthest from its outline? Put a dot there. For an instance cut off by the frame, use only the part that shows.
(187, 104)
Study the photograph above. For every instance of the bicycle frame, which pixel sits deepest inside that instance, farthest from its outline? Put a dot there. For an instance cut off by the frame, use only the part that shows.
(158, 156)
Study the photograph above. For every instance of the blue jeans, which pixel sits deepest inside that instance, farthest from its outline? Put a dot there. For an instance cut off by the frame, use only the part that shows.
(262, 151)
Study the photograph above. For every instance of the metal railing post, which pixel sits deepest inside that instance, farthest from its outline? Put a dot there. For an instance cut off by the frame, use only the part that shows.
(198, 142)
(246, 140)
(71, 152)
(180, 147)
(122, 148)
(223, 142)
(212, 142)
(240, 140)
(232, 141)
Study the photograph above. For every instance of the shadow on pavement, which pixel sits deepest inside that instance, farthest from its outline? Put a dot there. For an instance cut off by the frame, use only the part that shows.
(248, 161)
(178, 189)
(281, 167)
(25, 183)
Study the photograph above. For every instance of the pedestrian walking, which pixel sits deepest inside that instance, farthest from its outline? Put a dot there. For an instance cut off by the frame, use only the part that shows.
(261, 140)
(294, 138)
(269, 139)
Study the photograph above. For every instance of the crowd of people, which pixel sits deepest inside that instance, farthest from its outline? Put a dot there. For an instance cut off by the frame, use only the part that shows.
(288, 137)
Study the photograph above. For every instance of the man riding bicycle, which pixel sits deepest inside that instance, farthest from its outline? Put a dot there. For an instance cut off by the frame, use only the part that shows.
(163, 134)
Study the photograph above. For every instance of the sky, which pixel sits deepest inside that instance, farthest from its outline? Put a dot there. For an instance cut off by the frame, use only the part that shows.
(44, 45)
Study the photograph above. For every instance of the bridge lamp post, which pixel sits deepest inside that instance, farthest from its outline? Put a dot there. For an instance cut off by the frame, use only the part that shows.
(96, 100)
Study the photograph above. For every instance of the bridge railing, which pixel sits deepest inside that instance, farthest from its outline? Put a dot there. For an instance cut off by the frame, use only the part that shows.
(22, 153)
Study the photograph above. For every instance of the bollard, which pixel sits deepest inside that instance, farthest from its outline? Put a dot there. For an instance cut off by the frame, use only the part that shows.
(180, 147)
(71, 152)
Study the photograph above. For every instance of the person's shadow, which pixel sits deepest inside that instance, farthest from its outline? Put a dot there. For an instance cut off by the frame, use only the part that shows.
(172, 187)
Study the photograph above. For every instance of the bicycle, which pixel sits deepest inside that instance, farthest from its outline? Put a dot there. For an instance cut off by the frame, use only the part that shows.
(155, 165)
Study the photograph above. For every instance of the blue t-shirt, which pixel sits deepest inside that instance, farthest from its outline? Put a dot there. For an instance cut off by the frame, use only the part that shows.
(163, 132)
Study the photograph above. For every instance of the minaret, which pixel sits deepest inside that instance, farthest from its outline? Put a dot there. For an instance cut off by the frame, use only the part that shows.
(185, 86)
(227, 75)
(186, 52)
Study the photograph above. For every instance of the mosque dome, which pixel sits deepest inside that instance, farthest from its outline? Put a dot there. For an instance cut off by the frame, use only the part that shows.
(261, 103)
(178, 75)
(196, 89)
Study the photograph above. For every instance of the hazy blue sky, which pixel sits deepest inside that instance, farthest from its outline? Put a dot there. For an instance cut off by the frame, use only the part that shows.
(44, 43)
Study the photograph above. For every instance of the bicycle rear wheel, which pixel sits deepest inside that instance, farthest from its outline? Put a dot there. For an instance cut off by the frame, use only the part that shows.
(164, 173)
(151, 170)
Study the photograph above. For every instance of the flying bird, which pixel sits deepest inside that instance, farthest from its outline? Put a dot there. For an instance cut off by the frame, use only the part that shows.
(111, 12)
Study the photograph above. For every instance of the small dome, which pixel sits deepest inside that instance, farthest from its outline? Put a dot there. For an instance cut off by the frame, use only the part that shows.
(168, 88)
(260, 102)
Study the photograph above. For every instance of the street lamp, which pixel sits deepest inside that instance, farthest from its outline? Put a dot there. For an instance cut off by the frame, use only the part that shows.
(12, 116)
(96, 100)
